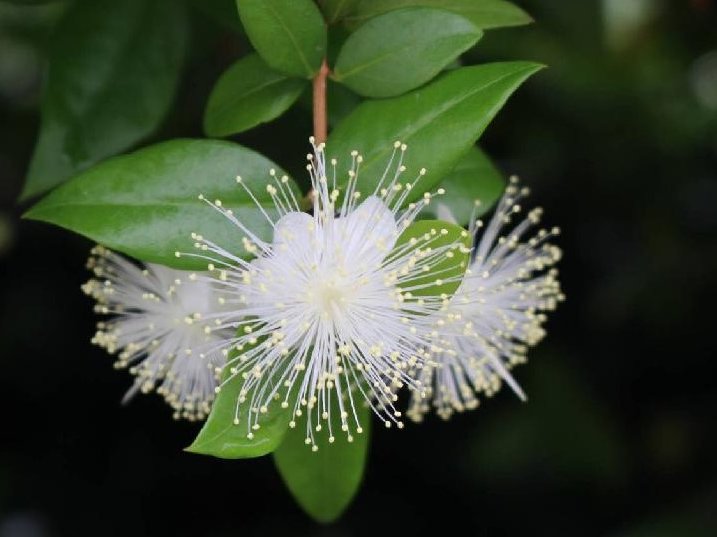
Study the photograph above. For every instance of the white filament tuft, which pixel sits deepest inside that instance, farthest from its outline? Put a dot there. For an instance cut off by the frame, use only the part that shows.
(496, 314)
(158, 329)
(329, 314)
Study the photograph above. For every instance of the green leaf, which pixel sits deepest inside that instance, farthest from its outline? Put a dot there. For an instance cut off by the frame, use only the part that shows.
(145, 204)
(247, 94)
(403, 49)
(324, 482)
(335, 10)
(439, 123)
(221, 436)
(289, 34)
(472, 188)
(485, 14)
(113, 72)
(445, 276)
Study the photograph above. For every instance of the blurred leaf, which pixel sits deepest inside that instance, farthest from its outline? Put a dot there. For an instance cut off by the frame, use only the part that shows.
(335, 10)
(336, 39)
(673, 527)
(445, 276)
(474, 178)
(324, 482)
(223, 12)
(247, 94)
(439, 122)
(290, 35)
(562, 432)
(401, 50)
(485, 14)
(340, 103)
(28, 2)
(223, 437)
(695, 519)
(145, 204)
(113, 72)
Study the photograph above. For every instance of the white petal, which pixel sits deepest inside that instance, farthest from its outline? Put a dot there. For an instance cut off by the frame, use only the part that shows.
(293, 226)
(370, 231)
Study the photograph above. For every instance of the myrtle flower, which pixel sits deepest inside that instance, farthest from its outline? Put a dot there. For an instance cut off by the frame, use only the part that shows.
(331, 314)
(157, 329)
(497, 313)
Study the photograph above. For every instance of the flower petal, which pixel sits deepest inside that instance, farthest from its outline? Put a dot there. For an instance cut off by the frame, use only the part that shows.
(370, 231)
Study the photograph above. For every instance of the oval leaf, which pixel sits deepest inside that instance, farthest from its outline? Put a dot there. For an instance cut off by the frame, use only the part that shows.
(113, 72)
(402, 50)
(145, 204)
(247, 94)
(446, 275)
(289, 34)
(472, 188)
(485, 14)
(439, 122)
(324, 482)
(221, 436)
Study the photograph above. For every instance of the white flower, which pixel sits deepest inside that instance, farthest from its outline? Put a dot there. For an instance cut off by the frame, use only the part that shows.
(329, 314)
(497, 313)
(157, 329)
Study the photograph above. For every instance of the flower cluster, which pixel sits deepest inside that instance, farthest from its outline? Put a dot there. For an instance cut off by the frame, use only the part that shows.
(498, 311)
(344, 306)
(157, 329)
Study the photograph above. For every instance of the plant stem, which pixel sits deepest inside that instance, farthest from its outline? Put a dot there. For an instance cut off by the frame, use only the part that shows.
(320, 121)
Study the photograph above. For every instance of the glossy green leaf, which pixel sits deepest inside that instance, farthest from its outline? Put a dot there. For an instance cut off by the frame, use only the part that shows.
(290, 35)
(403, 49)
(228, 437)
(247, 94)
(438, 122)
(145, 204)
(445, 276)
(335, 10)
(485, 14)
(113, 72)
(324, 482)
(472, 188)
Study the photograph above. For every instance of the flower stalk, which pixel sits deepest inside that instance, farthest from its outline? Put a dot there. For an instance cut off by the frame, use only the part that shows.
(319, 103)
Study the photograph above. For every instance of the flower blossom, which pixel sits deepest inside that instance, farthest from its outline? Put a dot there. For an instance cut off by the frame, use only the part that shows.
(157, 329)
(497, 313)
(335, 311)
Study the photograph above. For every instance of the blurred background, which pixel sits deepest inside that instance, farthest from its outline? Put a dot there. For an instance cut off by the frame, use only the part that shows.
(618, 140)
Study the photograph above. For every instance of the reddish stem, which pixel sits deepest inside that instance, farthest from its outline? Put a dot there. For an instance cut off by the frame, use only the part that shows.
(320, 121)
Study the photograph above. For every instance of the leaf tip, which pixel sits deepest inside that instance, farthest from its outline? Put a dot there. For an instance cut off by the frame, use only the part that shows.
(31, 214)
(194, 449)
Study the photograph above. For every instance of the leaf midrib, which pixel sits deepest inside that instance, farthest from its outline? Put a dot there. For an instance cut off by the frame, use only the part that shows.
(235, 100)
(361, 67)
(302, 57)
(161, 203)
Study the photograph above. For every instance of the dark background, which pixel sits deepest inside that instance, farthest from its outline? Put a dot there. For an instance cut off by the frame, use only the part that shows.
(618, 140)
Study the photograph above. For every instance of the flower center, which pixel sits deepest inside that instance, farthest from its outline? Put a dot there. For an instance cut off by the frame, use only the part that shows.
(331, 299)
